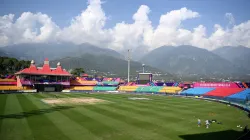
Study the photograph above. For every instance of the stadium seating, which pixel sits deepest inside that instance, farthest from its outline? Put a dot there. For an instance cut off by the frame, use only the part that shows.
(169, 84)
(129, 84)
(7, 80)
(104, 88)
(152, 84)
(241, 95)
(110, 83)
(128, 88)
(245, 85)
(8, 83)
(26, 82)
(142, 89)
(170, 90)
(156, 89)
(176, 84)
(159, 84)
(248, 84)
(10, 87)
(240, 85)
(26, 88)
(197, 91)
(80, 82)
(223, 92)
(86, 88)
(149, 89)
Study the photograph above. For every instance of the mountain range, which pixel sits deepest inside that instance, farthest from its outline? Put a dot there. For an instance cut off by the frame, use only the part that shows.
(3, 53)
(239, 56)
(39, 52)
(181, 60)
(104, 64)
(186, 60)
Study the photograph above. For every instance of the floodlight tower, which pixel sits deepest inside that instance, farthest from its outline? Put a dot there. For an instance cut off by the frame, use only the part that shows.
(143, 66)
(128, 64)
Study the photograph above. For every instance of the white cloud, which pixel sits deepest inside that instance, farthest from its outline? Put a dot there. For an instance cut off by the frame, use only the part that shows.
(174, 18)
(130, 36)
(28, 27)
(5, 25)
(199, 38)
(89, 27)
(168, 32)
(238, 35)
(230, 17)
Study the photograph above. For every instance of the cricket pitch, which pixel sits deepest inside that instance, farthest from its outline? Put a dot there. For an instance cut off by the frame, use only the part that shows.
(64, 101)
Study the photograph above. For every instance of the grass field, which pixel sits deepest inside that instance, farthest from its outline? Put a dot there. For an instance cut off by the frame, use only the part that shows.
(27, 117)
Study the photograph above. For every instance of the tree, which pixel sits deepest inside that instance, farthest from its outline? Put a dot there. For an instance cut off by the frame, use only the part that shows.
(11, 65)
(77, 71)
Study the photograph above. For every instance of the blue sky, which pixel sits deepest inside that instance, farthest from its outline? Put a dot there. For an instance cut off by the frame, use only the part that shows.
(201, 23)
(62, 11)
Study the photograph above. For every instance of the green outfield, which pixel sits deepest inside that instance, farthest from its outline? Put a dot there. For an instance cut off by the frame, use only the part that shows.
(115, 117)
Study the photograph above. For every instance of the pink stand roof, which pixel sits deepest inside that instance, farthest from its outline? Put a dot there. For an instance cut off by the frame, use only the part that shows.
(45, 70)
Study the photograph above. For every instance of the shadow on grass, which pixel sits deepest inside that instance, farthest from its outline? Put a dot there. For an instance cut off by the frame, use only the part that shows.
(221, 135)
(34, 112)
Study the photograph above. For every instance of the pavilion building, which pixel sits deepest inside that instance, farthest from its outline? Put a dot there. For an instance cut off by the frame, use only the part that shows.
(44, 78)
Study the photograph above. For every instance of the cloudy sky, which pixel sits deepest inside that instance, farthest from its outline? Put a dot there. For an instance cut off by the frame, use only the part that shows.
(120, 24)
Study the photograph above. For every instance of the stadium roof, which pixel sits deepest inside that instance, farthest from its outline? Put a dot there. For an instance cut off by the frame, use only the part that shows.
(45, 70)
(85, 75)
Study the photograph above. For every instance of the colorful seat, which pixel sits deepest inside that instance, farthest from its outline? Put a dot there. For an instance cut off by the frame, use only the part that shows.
(223, 92)
(243, 95)
(197, 91)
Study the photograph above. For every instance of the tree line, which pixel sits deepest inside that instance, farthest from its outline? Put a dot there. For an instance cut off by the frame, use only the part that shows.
(77, 71)
(10, 65)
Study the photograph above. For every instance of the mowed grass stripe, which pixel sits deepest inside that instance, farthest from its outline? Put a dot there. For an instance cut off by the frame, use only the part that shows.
(157, 100)
(203, 111)
(132, 121)
(96, 127)
(165, 106)
(3, 98)
(122, 125)
(70, 128)
(42, 128)
(162, 127)
(143, 110)
(187, 117)
(14, 125)
(123, 100)
(151, 123)
(128, 131)
(202, 107)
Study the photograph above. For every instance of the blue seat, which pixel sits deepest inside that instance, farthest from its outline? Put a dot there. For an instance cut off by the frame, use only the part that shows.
(241, 95)
(197, 91)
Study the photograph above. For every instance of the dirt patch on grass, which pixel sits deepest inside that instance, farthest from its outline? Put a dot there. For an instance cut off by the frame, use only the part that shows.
(61, 101)
(138, 98)
(52, 101)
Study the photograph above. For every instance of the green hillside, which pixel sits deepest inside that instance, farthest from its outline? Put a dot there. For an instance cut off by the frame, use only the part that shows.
(103, 64)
